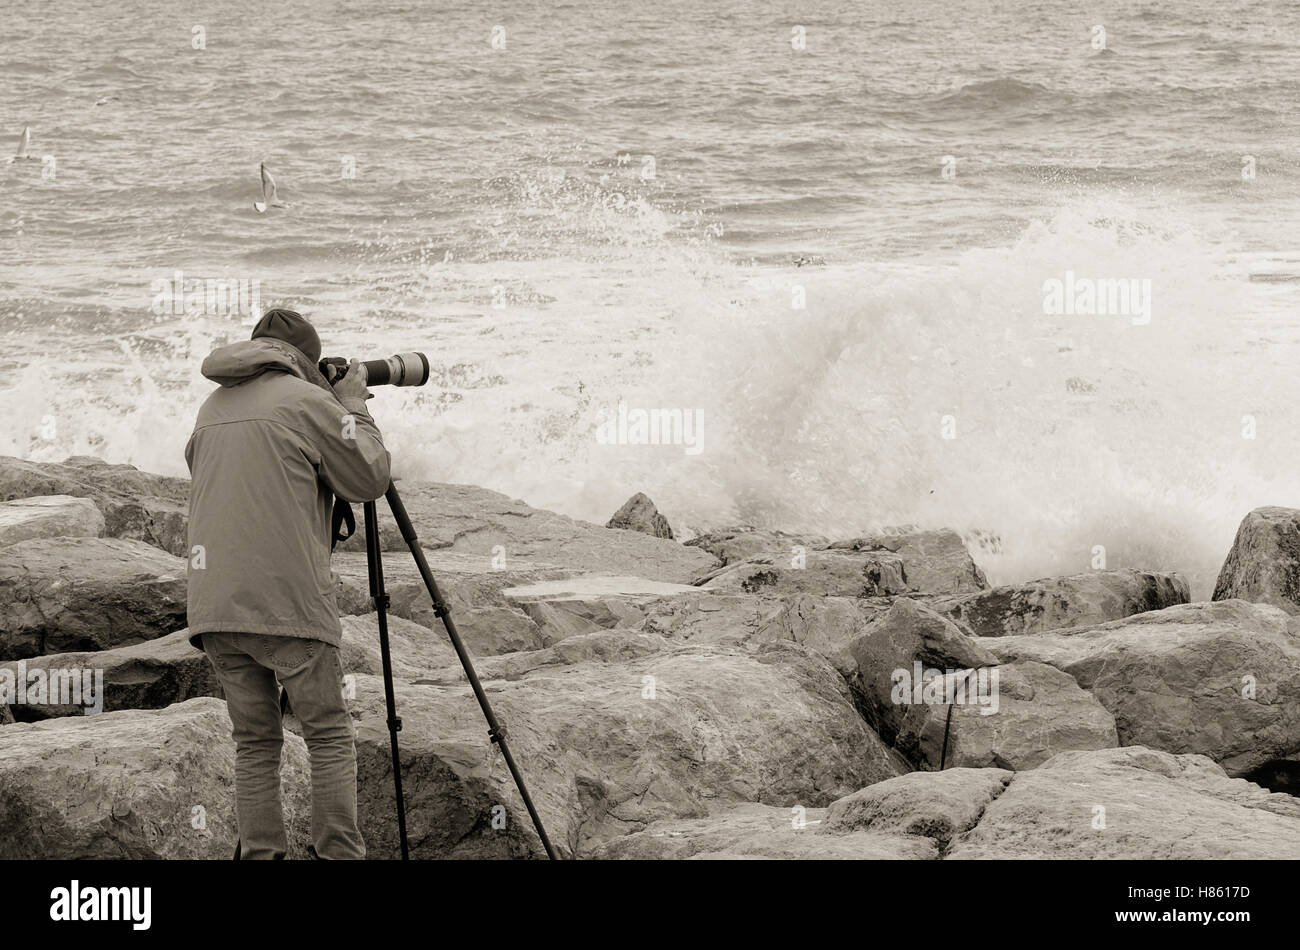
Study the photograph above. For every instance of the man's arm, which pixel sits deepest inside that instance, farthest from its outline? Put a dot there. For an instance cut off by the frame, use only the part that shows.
(353, 460)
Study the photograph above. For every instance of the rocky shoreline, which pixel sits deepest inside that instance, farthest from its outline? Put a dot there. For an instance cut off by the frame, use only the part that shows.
(747, 693)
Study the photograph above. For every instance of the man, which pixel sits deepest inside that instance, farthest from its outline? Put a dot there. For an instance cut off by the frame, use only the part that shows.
(270, 449)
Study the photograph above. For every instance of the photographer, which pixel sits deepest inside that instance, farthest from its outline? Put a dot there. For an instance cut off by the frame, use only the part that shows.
(270, 450)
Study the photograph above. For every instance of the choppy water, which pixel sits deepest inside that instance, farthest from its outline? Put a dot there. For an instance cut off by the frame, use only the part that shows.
(503, 219)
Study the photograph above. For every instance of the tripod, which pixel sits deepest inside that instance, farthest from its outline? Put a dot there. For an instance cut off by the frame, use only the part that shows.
(495, 732)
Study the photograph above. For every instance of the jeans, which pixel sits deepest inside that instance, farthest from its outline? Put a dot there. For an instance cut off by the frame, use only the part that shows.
(248, 666)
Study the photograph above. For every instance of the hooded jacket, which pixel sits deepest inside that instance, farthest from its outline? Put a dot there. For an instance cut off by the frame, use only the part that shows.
(270, 449)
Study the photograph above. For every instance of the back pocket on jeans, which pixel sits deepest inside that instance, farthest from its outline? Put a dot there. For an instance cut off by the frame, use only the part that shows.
(291, 653)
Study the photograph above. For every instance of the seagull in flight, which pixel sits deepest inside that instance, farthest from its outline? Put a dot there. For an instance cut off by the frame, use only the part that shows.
(270, 197)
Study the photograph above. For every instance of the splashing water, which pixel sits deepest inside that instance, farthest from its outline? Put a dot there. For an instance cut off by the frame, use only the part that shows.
(503, 221)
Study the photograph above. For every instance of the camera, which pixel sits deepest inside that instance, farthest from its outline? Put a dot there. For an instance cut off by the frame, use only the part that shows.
(401, 369)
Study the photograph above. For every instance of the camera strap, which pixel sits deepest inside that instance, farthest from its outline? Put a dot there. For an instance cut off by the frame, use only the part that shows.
(342, 516)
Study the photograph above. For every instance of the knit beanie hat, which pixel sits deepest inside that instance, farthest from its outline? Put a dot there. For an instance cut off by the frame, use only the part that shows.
(292, 328)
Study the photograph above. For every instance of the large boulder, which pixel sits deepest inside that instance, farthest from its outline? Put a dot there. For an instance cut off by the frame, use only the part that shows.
(825, 624)
(59, 595)
(912, 562)
(1037, 711)
(936, 561)
(610, 744)
(486, 619)
(578, 604)
(1220, 679)
(524, 607)
(134, 784)
(942, 700)
(464, 580)
(602, 646)
(732, 545)
(825, 573)
(1264, 563)
(881, 667)
(147, 675)
(1056, 602)
(937, 805)
(589, 602)
(136, 505)
(764, 832)
(640, 514)
(1132, 803)
(413, 650)
(49, 516)
(711, 617)
(487, 526)
(490, 631)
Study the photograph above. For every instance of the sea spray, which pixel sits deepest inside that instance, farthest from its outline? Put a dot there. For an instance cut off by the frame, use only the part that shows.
(930, 392)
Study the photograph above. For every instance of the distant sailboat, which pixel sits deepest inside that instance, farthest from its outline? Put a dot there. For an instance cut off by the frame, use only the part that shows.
(24, 143)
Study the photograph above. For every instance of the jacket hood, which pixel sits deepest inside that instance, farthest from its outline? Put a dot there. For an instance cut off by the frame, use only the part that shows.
(239, 362)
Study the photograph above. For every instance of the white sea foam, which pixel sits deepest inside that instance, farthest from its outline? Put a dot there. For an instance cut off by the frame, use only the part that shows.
(1071, 432)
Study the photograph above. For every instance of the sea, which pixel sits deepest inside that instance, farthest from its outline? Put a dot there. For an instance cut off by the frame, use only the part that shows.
(823, 232)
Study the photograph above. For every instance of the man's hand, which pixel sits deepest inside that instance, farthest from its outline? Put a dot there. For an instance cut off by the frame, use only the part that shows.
(353, 385)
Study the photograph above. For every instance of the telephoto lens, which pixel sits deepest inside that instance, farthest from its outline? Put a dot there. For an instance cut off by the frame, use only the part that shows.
(401, 369)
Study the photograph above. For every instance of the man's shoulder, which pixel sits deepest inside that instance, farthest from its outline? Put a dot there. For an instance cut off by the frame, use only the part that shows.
(305, 406)
(272, 396)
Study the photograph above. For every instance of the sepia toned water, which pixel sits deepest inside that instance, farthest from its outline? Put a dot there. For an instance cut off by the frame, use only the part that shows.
(573, 205)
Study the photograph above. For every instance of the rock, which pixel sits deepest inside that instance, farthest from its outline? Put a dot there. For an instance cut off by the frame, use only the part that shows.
(974, 713)
(1056, 602)
(59, 595)
(825, 624)
(826, 573)
(937, 805)
(640, 514)
(49, 516)
(763, 831)
(602, 646)
(555, 622)
(490, 631)
(911, 562)
(147, 675)
(133, 785)
(488, 526)
(1220, 679)
(585, 603)
(1135, 804)
(413, 650)
(936, 562)
(602, 758)
(136, 505)
(713, 617)
(524, 608)
(465, 520)
(589, 602)
(1040, 711)
(465, 580)
(731, 545)
(1264, 563)
(887, 653)
(351, 594)
(488, 622)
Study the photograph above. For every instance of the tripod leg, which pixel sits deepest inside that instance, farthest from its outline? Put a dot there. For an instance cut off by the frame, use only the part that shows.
(374, 563)
(495, 732)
